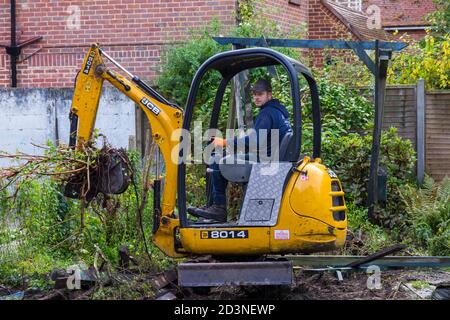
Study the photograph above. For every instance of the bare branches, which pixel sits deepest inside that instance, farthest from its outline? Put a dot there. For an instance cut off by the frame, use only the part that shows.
(59, 162)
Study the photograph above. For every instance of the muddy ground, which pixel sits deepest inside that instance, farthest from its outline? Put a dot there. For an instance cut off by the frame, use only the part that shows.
(393, 285)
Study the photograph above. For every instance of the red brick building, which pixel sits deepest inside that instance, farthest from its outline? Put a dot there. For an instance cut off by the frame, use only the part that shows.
(136, 31)
(133, 31)
(405, 16)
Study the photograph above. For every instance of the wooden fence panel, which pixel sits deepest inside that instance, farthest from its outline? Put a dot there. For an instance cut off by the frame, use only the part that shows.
(400, 111)
(437, 134)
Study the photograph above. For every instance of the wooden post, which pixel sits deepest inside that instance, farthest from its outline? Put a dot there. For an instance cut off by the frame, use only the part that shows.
(235, 109)
(247, 100)
(139, 134)
(420, 139)
(231, 110)
(238, 102)
(382, 58)
(142, 124)
(131, 142)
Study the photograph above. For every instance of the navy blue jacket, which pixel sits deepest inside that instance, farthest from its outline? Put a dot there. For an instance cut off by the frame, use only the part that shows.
(273, 115)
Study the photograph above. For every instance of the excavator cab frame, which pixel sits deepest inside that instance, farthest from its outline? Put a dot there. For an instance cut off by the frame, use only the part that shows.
(231, 63)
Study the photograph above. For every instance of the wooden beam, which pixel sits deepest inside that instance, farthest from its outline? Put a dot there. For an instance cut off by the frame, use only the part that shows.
(420, 139)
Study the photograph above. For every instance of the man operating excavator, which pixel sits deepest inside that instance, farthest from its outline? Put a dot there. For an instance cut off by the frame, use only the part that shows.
(293, 205)
(272, 116)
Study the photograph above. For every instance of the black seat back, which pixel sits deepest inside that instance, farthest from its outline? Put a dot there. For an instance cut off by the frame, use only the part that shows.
(284, 145)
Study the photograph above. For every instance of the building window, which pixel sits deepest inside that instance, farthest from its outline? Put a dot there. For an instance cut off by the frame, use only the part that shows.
(352, 4)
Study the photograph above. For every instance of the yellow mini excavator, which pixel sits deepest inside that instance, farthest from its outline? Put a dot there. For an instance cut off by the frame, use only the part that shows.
(299, 209)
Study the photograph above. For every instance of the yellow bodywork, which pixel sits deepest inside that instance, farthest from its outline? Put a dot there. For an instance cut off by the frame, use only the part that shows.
(305, 221)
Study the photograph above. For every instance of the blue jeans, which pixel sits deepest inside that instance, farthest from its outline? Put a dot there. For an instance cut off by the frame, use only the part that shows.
(219, 186)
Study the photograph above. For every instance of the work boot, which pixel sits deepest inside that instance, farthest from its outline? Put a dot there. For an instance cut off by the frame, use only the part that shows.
(193, 210)
(214, 212)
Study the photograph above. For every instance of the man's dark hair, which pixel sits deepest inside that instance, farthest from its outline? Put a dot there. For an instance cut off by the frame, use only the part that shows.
(262, 85)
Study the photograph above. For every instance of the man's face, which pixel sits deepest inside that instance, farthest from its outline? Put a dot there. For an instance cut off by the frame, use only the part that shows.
(260, 98)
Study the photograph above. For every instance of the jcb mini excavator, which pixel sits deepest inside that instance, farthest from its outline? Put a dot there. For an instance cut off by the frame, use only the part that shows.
(299, 209)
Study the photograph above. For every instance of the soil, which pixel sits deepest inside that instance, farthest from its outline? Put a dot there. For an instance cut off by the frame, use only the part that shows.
(395, 285)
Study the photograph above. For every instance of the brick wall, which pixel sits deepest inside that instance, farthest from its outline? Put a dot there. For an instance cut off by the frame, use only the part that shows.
(413, 34)
(133, 31)
(4, 38)
(291, 17)
(323, 24)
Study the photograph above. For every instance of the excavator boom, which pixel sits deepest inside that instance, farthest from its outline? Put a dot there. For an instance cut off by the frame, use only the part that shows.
(165, 120)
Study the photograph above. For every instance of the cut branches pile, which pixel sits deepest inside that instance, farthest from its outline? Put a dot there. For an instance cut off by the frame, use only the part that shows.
(84, 171)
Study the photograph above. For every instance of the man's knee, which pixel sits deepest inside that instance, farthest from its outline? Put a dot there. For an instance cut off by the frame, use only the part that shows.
(214, 166)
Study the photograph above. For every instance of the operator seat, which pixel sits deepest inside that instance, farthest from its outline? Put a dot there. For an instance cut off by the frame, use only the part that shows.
(239, 166)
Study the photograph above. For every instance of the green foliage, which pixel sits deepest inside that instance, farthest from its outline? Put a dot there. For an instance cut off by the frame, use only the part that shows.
(30, 226)
(196, 182)
(428, 59)
(246, 10)
(180, 63)
(343, 110)
(440, 18)
(134, 289)
(345, 68)
(349, 157)
(42, 230)
(420, 284)
(428, 210)
(367, 238)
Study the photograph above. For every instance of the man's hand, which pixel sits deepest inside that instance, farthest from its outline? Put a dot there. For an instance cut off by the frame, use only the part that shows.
(219, 142)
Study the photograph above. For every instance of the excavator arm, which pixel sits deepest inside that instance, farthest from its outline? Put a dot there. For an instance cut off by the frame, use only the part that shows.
(165, 121)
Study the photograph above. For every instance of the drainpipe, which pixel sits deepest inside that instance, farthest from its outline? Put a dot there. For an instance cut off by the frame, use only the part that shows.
(14, 49)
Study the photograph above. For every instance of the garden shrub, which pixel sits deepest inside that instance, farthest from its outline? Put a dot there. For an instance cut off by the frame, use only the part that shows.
(428, 210)
(440, 18)
(349, 157)
(343, 110)
(180, 63)
(428, 59)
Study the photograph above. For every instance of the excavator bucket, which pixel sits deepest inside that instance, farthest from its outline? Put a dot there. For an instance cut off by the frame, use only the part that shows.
(110, 175)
